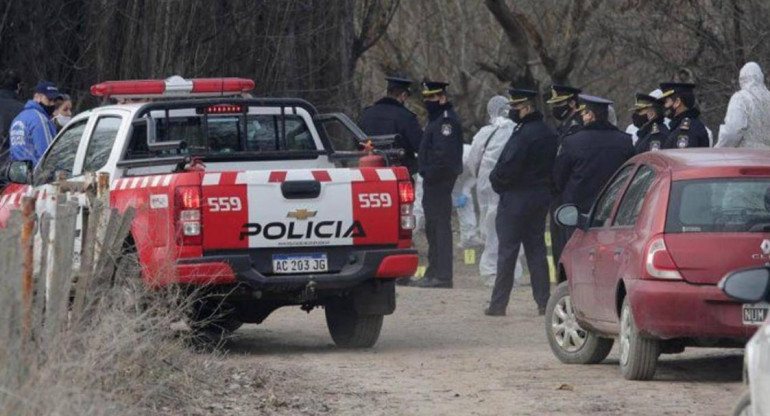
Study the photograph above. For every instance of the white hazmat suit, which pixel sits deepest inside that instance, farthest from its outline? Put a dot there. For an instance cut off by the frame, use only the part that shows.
(462, 197)
(747, 121)
(487, 145)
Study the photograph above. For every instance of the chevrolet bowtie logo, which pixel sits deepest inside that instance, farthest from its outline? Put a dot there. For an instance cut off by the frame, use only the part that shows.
(301, 214)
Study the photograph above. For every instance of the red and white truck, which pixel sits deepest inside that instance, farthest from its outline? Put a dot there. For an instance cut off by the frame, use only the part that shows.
(242, 196)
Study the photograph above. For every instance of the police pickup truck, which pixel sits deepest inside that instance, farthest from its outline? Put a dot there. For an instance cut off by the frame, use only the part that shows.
(243, 197)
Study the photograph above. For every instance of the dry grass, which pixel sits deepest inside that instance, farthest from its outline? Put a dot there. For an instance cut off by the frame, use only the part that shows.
(117, 354)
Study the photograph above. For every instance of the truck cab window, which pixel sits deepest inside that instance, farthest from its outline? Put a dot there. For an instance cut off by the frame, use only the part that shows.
(61, 156)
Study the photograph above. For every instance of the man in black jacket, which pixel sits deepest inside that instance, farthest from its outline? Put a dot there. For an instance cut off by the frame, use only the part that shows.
(589, 158)
(11, 105)
(390, 116)
(522, 177)
(686, 128)
(440, 163)
(564, 108)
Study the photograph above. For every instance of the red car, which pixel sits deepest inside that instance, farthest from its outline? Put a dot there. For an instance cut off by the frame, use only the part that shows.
(644, 264)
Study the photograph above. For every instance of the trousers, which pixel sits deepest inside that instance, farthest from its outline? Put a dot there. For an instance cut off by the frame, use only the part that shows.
(437, 205)
(521, 220)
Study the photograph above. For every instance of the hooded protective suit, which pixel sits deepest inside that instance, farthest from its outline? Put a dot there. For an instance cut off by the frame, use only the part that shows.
(487, 145)
(748, 115)
(462, 197)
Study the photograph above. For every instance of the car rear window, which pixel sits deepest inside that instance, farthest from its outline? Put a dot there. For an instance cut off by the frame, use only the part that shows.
(719, 205)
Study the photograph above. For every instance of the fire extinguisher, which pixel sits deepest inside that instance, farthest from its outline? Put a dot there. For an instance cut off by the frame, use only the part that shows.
(371, 160)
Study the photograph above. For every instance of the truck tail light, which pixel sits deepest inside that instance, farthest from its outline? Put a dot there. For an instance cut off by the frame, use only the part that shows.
(659, 264)
(187, 206)
(406, 201)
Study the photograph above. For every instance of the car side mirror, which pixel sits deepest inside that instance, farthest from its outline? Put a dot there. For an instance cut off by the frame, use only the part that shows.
(567, 215)
(20, 171)
(747, 285)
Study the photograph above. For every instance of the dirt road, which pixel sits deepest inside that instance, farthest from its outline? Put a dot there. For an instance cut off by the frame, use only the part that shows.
(438, 354)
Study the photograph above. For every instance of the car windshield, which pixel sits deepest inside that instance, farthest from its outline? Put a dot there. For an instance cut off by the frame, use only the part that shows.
(227, 134)
(719, 205)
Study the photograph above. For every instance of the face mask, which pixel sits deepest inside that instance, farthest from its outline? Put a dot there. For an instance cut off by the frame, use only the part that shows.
(639, 120)
(560, 113)
(62, 120)
(669, 112)
(49, 109)
(433, 107)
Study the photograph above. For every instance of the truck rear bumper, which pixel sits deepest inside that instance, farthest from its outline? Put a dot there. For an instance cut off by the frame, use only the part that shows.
(238, 268)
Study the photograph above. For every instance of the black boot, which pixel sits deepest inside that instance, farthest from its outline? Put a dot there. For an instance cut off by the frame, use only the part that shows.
(430, 283)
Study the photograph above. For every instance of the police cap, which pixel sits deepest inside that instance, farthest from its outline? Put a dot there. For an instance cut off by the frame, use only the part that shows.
(562, 93)
(433, 87)
(643, 101)
(593, 103)
(671, 88)
(520, 95)
(398, 82)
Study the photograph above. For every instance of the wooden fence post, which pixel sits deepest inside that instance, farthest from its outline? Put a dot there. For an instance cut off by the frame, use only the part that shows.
(27, 231)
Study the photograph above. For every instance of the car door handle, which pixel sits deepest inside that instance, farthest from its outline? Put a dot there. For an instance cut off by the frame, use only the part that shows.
(618, 251)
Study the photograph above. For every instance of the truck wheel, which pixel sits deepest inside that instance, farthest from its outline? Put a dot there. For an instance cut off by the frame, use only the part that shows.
(638, 355)
(350, 329)
(212, 317)
(570, 343)
(743, 407)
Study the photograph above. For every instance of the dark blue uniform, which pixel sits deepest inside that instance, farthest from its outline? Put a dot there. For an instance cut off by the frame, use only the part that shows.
(440, 163)
(522, 177)
(687, 131)
(652, 136)
(587, 160)
(560, 236)
(389, 116)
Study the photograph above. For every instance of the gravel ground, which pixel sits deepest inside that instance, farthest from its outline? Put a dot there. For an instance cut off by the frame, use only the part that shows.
(438, 354)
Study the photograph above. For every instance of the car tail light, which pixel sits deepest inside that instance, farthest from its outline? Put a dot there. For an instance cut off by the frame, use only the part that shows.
(659, 264)
(174, 86)
(406, 201)
(187, 206)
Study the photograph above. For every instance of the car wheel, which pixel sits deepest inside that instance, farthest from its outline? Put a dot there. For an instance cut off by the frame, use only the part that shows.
(638, 355)
(350, 329)
(570, 343)
(743, 407)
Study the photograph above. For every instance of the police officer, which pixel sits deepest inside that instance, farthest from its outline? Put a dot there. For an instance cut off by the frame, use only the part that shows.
(522, 178)
(679, 105)
(647, 116)
(564, 108)
(390, 116)
(589, 158)
(440, 162)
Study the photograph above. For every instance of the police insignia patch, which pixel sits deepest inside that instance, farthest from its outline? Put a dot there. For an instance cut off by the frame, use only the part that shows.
(655, 129)
(446, 129)
(682, 141)
(685, 124)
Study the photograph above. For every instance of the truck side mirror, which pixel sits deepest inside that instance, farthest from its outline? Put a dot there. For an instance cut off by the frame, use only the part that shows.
(747, 285)
(20, 171)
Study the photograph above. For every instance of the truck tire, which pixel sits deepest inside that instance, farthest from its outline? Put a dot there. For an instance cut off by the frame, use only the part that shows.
(349, 329)
(570, 343)
(212, 317)
(638, 355)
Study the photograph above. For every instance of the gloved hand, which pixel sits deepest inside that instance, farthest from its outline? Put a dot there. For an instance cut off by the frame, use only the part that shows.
(461, 200)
